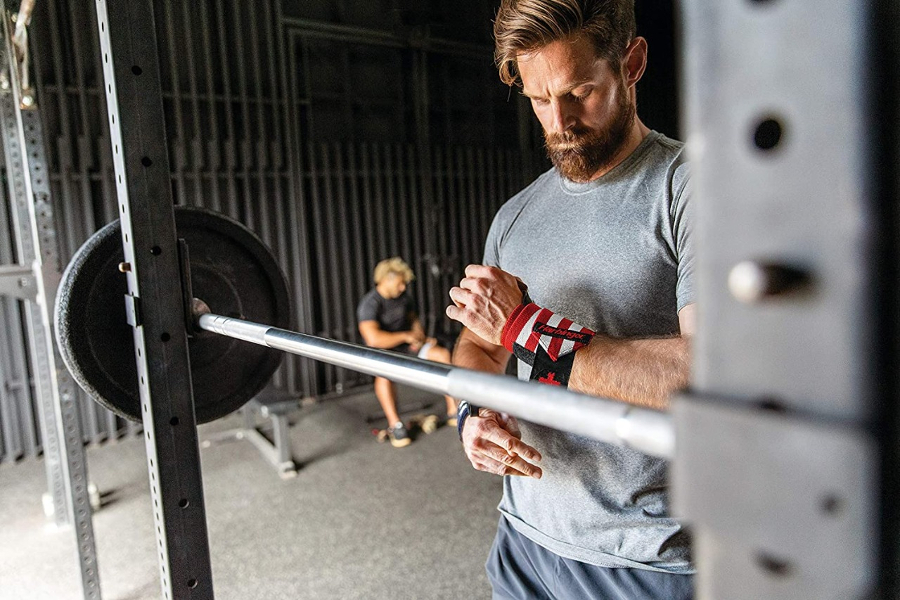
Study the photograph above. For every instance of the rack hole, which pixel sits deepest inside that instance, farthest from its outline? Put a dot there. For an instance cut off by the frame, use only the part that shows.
(174, 421)
(155, 250)
(136, 70)
(832, 504)
(146, 161)
(165, 337)
(773, 565)
(184, 503)
(192, 583)
(768, 134)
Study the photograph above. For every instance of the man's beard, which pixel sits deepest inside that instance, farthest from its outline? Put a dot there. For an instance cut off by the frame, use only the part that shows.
(580, 152)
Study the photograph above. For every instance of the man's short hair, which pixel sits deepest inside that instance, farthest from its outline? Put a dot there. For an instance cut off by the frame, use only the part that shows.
(526, 25)
(393, 265)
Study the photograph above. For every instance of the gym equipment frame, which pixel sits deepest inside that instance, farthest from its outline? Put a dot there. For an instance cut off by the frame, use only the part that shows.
(35, 280)
(784, 450)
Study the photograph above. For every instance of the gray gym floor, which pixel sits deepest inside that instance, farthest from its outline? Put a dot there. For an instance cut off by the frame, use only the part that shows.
(360, 520)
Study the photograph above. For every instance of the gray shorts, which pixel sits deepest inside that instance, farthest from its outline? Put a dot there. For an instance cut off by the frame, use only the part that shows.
(518, 569)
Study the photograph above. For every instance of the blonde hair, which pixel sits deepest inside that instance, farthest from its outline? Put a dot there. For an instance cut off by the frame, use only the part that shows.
(526, 25)
(393, 265)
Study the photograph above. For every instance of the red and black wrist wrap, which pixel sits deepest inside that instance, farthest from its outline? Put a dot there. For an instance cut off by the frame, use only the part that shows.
(545, 342)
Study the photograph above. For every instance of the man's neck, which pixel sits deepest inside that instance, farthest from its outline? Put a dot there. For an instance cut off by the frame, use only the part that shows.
(635, 136)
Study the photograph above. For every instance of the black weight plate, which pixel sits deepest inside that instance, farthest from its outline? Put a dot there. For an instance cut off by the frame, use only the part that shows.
(232, 271)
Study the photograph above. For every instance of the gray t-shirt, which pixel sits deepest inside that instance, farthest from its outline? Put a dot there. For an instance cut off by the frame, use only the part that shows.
(614, 255)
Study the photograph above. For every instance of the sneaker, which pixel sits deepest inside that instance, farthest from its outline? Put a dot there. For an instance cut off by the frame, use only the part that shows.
(399, 436)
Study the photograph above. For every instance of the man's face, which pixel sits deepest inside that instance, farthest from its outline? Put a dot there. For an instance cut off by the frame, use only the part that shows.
(583, 105)
(393, 285)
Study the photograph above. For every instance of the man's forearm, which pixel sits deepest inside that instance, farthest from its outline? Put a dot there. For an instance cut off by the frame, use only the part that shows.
(417, 329)
(640, 371)
(470, 355)
(387, 339)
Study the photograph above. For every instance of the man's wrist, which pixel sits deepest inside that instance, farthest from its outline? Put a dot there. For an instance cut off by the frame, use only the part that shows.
(463, 411)
(545, 342)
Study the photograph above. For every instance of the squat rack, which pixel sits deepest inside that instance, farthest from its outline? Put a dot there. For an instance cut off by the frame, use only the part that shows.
(35, 279)
(782, 455)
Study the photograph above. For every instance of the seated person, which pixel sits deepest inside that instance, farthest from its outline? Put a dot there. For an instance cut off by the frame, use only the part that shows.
(388, 320)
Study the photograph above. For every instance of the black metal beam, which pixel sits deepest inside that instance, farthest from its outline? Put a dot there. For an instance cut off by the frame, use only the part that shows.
(131, 73)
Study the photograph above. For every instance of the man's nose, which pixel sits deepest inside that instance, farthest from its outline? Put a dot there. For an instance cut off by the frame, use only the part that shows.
(561, 117)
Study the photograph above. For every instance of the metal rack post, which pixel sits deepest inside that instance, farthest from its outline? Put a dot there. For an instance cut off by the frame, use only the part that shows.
(140, 156)
(777, 462)
(37, 250)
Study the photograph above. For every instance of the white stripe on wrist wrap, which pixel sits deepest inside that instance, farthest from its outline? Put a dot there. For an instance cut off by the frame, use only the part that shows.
(545, 342)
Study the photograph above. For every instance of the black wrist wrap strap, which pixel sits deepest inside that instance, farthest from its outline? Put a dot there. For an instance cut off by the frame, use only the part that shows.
(545, 342)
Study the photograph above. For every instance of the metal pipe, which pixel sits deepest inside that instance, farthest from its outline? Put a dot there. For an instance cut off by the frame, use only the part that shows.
(646, 430)
(419, 373)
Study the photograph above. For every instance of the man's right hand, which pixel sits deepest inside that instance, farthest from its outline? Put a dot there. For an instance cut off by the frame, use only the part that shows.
(415, 340)
(493, 443)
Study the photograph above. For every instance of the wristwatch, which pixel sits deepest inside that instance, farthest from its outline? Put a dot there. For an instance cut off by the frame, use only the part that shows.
(463, 412)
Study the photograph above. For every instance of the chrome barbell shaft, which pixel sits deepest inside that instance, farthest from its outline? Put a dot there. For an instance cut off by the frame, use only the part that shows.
(646, 430)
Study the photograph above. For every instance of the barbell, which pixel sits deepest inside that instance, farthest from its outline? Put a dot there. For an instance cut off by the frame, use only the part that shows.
(235, 281)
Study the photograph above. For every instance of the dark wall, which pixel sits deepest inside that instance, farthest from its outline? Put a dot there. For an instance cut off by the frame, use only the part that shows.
(658, 103)
(341, 131)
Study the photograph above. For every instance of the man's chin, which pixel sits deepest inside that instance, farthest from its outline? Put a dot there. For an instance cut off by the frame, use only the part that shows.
(576, 173)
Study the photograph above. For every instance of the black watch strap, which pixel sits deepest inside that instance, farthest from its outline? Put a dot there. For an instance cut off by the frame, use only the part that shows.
(463, 412)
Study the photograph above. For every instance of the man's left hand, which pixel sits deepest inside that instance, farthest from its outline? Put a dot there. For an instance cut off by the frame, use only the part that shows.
(484, 300)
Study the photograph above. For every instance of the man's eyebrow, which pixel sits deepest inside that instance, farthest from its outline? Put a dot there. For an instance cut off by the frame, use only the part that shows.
(565, 91)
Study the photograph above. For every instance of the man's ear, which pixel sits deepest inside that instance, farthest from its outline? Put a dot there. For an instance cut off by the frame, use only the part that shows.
(635, 61)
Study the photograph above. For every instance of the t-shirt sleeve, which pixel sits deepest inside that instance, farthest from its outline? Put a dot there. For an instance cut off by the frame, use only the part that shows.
(492, 244)
(683, 230)
(367, 309)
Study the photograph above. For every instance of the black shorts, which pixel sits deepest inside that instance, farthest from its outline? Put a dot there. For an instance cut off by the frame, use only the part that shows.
(519, 568)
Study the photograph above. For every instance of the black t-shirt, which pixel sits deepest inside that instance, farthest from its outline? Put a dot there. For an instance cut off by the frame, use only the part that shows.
(392, 314)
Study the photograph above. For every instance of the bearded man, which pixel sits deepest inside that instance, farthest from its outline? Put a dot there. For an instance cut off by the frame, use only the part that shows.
(588, 280)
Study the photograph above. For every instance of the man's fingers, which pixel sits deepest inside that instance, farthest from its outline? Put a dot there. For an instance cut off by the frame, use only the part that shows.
(470, 283)
(490, 447)
(490, 465)
(511, 444)
(461, 296)
(500, 461)
(475, 271)
(456, 313)
(511, 425)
